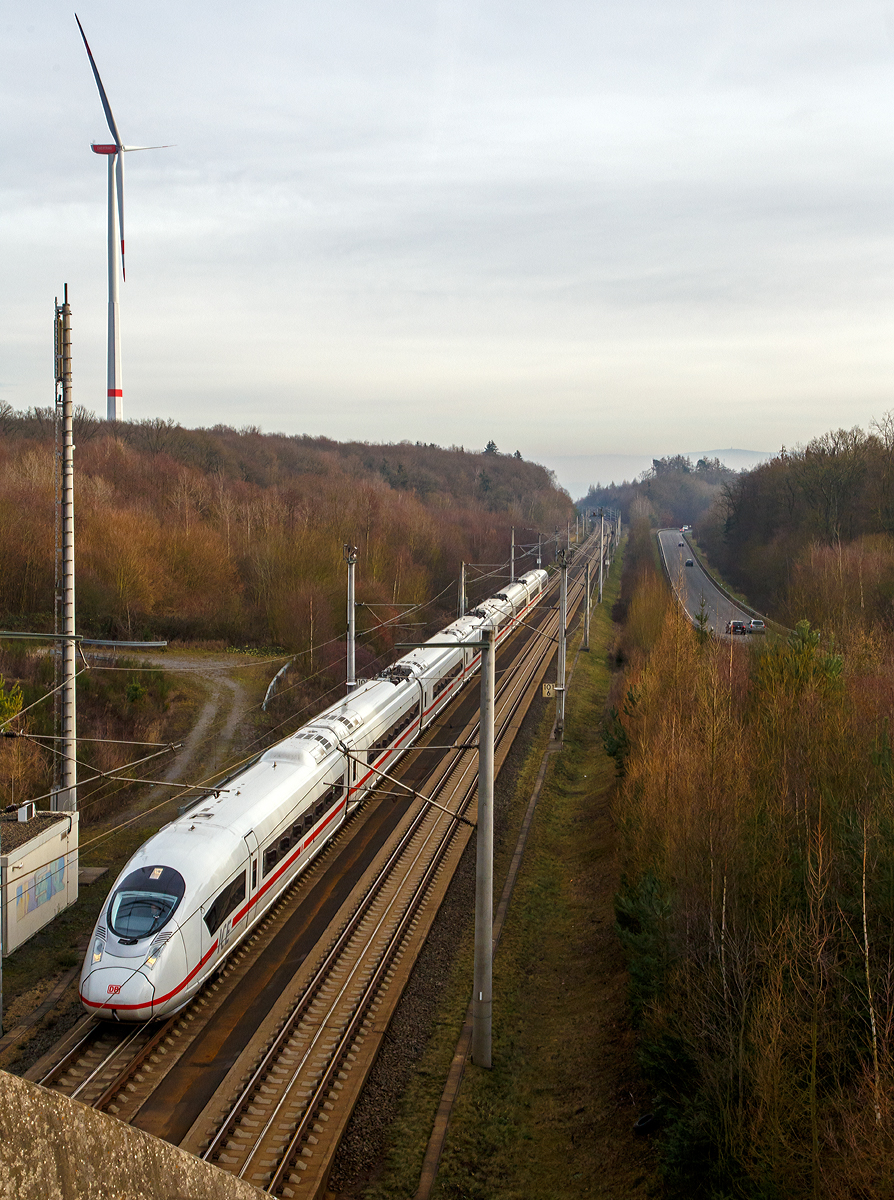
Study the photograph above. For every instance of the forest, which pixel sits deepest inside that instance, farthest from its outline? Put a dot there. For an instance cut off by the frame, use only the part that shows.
(236, 536)
(677, 490)
(809, 533)
(757, 902)
(220, 538)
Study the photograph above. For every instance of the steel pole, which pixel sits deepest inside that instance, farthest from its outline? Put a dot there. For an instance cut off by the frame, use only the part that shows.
(512, 558)
(587, 612)
(67, 797)
(351, 559)
(482, 995)
(560, 667)
(462, 589)
(601, 552)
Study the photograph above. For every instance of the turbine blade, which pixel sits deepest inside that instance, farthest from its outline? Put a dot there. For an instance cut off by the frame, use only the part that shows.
(127, 149)
(119, 174)
(113, 128)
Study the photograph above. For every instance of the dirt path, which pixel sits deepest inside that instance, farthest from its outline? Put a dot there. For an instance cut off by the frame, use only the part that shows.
(213, 737)
(219, 730)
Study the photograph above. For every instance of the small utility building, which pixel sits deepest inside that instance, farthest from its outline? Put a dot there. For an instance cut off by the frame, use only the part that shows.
(38, 870)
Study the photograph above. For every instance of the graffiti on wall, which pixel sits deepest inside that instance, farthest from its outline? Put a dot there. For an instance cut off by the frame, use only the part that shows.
(43, 885)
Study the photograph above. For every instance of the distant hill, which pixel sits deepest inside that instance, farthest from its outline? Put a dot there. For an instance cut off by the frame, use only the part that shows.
(736, 460)
(575, 472)
(236, 536)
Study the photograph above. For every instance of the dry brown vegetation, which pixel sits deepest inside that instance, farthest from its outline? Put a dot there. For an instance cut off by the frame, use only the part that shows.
(123, 706)
(234, 538)
(758, 901)
(809, 534)
(237, 536)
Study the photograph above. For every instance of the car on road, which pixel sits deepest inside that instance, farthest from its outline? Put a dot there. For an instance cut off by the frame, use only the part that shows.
(681, 543)
(755, 626)
(733, 627)
(689, 562)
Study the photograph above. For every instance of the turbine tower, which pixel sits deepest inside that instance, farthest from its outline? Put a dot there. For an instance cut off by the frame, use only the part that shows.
(115, 152)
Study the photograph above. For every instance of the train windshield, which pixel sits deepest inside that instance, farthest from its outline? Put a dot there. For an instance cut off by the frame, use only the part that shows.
(145, 901)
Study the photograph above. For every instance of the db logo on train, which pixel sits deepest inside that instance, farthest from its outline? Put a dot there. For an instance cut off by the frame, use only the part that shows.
(114, 989)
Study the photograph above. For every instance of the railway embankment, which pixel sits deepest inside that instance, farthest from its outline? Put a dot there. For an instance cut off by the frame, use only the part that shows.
(554, 1117)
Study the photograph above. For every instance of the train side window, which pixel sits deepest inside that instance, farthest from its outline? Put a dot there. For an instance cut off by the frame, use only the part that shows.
(226, 900)
(254, 873)
(271, 858)
(447, 679)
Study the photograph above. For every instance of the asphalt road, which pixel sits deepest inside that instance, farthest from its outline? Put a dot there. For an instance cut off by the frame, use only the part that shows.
(692, 583)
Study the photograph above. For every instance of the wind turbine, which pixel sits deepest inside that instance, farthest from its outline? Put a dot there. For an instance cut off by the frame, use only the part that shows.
(115, 152)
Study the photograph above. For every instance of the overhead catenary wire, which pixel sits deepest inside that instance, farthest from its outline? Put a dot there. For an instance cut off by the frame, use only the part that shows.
(110, 777)
(206, 785)
(39, 700)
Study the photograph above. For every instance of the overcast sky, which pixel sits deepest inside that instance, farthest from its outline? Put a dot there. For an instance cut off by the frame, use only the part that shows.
(576, 227)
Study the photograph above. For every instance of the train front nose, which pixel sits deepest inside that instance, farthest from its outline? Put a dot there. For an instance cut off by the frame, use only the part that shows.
(117, 992)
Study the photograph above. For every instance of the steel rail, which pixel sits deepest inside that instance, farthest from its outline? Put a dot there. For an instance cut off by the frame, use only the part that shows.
(517, 682)
(71, 1057)
(338, 1055)
(123, 1045)
(314, 985)
(124, 1076)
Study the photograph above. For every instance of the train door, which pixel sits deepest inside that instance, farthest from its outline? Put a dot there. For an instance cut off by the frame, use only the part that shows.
(352, 775)
(253, 875)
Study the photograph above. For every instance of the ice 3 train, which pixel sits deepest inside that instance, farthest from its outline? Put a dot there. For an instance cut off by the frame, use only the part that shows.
(192, 892)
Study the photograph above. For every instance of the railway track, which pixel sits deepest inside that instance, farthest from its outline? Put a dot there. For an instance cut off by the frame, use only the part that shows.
(284, 1116)
(282, 1122)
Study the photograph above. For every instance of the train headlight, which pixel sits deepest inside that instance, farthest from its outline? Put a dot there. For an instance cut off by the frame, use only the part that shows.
(155, 954)
(98, 947)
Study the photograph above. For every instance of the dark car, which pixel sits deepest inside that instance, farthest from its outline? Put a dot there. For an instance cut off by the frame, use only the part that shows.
(734, 627)
(689, 562)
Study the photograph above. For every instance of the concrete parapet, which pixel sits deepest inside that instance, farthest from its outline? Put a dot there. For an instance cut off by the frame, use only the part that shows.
(53, 1148)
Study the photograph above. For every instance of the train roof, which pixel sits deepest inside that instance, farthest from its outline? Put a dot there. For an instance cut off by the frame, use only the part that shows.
(194, 842)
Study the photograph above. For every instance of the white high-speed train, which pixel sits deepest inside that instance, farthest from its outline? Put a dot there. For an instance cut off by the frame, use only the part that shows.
(194, 890)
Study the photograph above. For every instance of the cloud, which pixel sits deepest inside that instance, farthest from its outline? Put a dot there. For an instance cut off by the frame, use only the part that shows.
(623, 223)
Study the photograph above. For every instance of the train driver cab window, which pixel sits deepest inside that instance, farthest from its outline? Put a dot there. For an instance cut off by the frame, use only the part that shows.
(144, 902)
